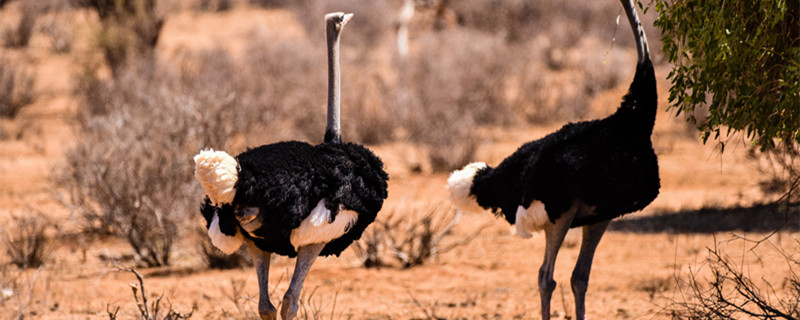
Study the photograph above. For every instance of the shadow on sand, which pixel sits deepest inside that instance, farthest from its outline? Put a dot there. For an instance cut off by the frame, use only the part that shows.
(758, 218)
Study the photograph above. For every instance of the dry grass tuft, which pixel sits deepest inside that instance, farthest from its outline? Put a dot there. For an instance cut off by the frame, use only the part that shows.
(409, 238)
(148, 311)
(26, 241)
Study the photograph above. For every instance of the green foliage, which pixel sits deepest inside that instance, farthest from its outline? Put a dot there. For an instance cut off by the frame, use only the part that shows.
(741, 59)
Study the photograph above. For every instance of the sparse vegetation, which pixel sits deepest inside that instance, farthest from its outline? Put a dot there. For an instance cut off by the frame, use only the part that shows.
(130, 32)
(409, 238)
(148, 311)
(16, 87)
(19, 36)
(25, 240)
(732, 293)
(130, 174)
(493, 67)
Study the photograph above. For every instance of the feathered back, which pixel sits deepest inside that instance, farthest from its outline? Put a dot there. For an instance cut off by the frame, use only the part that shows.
(363, 188)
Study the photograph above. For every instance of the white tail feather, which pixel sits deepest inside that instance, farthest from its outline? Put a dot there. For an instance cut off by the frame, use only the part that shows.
(218, 172)
(460, 183)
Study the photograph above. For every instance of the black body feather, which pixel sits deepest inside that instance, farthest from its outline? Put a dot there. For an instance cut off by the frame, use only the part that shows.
(286, 180)
(607, 163)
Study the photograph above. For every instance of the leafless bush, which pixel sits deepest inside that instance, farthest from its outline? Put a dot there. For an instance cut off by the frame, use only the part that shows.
(240, 299)
(284, 84)
(26, 240)
(131, 28)
(16, 87)
(20, 35)
(130, 173)
(410, 239)
(215, 258)
(148, 311)
(521, 20)
(370, 248)
(732, 294)
(455, 83)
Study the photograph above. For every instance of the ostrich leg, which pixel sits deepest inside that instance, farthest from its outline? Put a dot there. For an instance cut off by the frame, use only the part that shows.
(305, 258)
(580, 275)
(261, 261)
(554, 236)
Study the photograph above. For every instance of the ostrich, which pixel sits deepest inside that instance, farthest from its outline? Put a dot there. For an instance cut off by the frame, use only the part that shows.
(292, 198)
(583, 175)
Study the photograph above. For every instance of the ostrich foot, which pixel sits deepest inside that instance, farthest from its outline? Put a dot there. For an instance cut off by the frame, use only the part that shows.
(289, 307)
(269, 313)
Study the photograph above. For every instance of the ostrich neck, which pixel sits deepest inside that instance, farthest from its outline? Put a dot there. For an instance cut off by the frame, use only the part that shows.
(333, 131)
(638, 30)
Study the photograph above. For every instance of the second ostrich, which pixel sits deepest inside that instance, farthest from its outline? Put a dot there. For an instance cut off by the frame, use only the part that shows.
(293, 198)
(583, 175)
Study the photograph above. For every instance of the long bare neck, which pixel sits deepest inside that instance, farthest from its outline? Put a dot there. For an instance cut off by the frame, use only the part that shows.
(333, 132)
(638, 31)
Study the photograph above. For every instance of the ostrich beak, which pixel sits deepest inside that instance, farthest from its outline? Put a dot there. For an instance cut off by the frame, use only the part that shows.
(346, 18)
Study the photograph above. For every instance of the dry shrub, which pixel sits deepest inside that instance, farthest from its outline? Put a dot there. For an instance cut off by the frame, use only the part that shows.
(130, 30)
(312, 307)
(522, 20)
(244, 303)
(455, 83)
(16, 87)
(148, 311)
(285, 84)
(131, 173)
(20, 35)
(409, 238)
(26, 241)
(732, 293)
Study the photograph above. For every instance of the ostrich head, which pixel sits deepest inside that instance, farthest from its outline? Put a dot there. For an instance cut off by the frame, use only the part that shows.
(460, 185)
(335, 21)
(218, 172)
